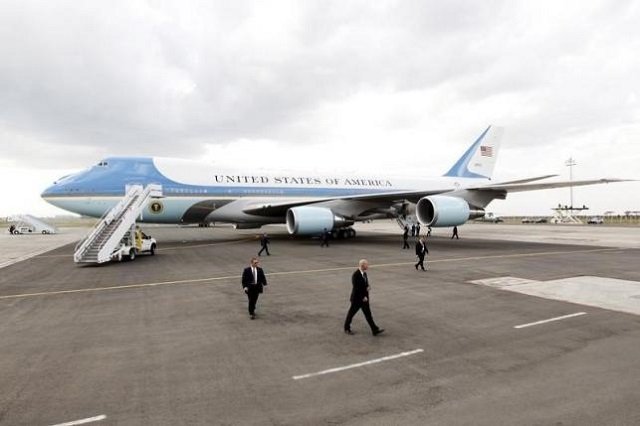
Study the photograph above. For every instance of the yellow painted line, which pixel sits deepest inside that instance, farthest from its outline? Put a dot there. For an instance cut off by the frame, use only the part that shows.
(207, 245)
(165, 248)
(300, 272)
(503, 256)
(118, 287)
(453, 259)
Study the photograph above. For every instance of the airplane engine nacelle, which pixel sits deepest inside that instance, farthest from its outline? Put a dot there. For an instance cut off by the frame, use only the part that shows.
(307, 220)
(441, 210)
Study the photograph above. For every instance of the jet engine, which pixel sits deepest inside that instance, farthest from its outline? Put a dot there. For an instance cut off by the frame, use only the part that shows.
(313, 220)
(442, 210)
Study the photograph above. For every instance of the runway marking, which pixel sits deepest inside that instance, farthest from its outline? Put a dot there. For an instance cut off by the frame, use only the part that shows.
(161, 248)
(384, 265)
(117, 287)
(300, 272)
(577, 314)
(360, 364)
(25, 257)
(83, 421)
(502, 256)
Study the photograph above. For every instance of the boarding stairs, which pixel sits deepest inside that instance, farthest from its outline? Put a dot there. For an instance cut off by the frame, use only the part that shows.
(564, 215)
(115, 225)
(407, 220)
(26, 223)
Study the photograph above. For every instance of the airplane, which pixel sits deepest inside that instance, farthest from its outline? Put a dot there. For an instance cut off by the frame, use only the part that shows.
(308, 203)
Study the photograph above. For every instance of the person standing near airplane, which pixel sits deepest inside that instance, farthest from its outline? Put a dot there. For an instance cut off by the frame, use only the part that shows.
(325, 238)
(455, 233)
(405, 237)
(360, 298)
(253, 283)
(138, 238)
(264, 242)
(421, 252)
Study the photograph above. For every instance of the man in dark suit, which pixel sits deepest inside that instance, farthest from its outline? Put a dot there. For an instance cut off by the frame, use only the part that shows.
(405, 238)
(455, 233)
(325, 238)
(253, 282)
(360, 299)
(421, 252)
(264, 242)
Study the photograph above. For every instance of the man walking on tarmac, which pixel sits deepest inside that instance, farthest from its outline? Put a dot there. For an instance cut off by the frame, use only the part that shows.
(264, 242)
(405, 237)
(421, 252)
(253, 283)
(455, 233)
(360, 298)
(325, 238)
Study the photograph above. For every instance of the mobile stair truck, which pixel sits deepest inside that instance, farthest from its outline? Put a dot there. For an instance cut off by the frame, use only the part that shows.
(116, 236)
(27, 224)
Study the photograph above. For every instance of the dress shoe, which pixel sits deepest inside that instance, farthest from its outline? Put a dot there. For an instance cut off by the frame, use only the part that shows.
(349, 332)
(416, 267)
(378, 331)
(252, 316)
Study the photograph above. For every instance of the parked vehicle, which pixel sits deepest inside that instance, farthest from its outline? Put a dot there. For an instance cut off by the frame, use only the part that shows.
(535, 220)
(131, 247)
(491, 218)
(595, 220)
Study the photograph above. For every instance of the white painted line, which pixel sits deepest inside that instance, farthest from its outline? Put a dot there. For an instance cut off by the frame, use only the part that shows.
(271, 274)
(83, 421)
(26, 256)
(577, 314)
(360, 364)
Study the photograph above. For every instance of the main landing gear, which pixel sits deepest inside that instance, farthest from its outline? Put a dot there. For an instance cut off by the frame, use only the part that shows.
(343, 233)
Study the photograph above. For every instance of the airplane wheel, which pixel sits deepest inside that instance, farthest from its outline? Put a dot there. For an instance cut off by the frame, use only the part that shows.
(352, 233)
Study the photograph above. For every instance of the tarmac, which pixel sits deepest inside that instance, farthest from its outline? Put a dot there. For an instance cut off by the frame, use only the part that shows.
(511, 324)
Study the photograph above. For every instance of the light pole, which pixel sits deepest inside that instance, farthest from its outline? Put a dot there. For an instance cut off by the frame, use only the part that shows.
(570, 163)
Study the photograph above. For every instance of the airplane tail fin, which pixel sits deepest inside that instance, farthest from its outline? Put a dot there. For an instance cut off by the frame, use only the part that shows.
(479, 160)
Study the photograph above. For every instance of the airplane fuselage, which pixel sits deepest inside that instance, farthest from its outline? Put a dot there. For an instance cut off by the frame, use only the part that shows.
(197, 192)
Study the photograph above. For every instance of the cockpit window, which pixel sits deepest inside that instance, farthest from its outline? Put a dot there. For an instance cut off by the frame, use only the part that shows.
(102, 164)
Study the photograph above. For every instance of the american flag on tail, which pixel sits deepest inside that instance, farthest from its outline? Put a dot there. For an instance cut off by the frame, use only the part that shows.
(486, 151)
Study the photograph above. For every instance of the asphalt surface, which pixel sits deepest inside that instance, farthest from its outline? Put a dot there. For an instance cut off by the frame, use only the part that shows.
(167, 340)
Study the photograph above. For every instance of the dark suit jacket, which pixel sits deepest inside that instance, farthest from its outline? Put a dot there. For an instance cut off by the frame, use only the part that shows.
(247, 278)
(421, 249)
(360, 288)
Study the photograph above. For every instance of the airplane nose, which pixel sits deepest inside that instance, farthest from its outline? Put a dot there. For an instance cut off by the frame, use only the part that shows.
(56, 189)
(52, 193)
(47, 191)
(51, 190)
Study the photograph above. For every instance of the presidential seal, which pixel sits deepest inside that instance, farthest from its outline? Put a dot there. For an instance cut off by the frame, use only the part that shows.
(156, 207)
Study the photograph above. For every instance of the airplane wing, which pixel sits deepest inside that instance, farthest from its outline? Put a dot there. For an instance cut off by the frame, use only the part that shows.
(279, 208)
(533, 179)
(521, 187)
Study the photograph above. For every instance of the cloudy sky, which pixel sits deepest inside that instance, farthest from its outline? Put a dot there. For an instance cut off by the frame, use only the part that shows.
(396, 86)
